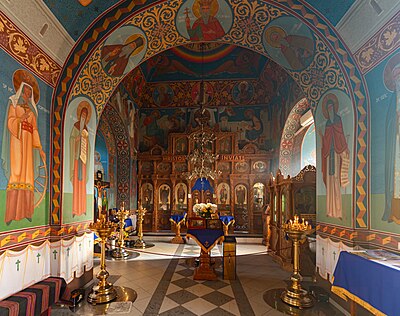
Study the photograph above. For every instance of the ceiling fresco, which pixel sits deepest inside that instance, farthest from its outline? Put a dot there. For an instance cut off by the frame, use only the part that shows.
(268, 81)
(76, 17)
(332, 10)
(216, 61)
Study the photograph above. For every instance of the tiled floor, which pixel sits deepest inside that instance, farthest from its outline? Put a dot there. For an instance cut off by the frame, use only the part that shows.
(162, 276)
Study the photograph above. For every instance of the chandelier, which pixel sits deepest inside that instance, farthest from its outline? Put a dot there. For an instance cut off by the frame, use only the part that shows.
(201, 158)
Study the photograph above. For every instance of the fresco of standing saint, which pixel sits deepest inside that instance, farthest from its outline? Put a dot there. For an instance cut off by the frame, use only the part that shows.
(392, 144)
(204, 20)
(21, 151)
(335, 156)
(79, 158)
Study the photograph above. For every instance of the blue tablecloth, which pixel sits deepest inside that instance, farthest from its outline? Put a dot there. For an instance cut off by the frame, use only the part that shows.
(226, 219)
(374, 286)
(177, 218)
(206, 238)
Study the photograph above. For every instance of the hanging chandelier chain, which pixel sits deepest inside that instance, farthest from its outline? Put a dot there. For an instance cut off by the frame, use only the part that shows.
(201, 158)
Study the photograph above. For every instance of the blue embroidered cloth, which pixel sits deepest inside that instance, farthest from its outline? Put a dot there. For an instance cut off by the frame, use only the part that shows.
(372, 282)
(206, 237)
(202, 184)
(177, 218)
(226, 219)
(128, 222)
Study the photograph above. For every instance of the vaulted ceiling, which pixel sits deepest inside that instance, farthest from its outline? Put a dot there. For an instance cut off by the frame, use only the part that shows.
(76, 17)
(233, 76)
(211, 61)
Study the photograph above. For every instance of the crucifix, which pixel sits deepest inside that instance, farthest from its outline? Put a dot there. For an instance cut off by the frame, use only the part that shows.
(55, 254)
(186, 11)
(100, 185)
(17, 263)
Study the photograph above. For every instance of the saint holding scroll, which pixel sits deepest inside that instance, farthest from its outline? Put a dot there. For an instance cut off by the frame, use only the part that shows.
(79, 160)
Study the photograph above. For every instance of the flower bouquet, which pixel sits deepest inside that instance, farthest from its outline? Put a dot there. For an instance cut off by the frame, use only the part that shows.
(205, 210)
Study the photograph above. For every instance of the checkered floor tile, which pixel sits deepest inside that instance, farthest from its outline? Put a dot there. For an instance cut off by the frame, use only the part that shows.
(186, 296)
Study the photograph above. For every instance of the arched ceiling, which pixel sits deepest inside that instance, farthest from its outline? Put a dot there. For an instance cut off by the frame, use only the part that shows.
(211, 61)
(77, 15)
(233, 76)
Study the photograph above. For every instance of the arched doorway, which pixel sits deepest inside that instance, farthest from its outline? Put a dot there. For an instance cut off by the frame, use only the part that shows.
(327, 68)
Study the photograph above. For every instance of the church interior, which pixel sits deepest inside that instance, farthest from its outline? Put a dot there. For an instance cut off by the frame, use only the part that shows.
(200, 157)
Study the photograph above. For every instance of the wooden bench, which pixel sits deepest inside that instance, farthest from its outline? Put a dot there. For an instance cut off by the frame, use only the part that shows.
(37, 299)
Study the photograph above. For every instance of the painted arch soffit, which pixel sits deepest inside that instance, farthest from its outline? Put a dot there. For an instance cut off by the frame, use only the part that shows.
(250, 25)
(121, 139)
(287, 140)
(255, 25)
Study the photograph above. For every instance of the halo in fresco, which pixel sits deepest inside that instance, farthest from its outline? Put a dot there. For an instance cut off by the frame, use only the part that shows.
(208, 93)
(334, 127)
(242, 92)
(204, 20)
(163, 94)
(123, 50)
(289, 42)
(392, 68)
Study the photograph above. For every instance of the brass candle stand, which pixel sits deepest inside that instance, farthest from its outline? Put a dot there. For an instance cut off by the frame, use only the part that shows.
(120, 252)
(140, 243)
(104, 291)
(294, 294)
(178, 238)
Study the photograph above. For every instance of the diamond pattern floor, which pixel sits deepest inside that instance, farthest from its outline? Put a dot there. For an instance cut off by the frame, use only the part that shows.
(163, 280)
(210, 295)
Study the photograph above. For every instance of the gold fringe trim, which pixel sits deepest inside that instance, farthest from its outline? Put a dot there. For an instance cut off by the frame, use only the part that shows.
(344, 294)
(220, 239)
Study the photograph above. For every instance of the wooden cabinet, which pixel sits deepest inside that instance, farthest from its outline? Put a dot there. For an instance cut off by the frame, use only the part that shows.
(289, 197)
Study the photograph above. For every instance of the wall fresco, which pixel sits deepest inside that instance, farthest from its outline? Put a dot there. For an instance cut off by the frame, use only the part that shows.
(383, 82)
(334, 124)
(24, 145)
(123, 51)
(23, 49)
(79, 137)
(381, 45)
(289, 42)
